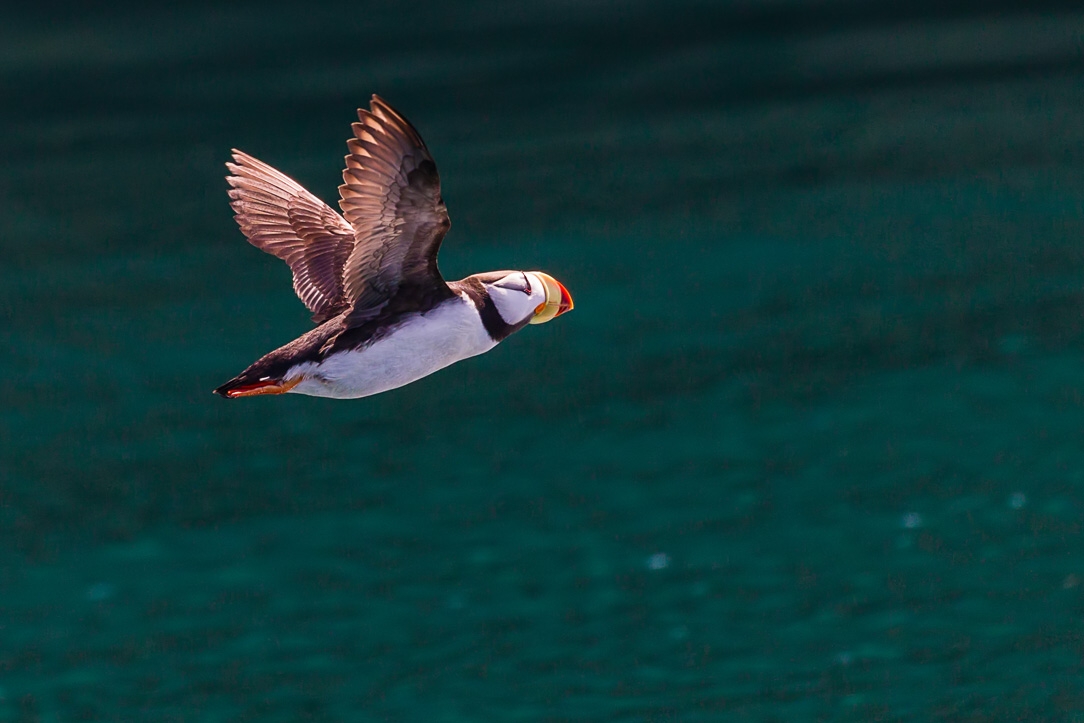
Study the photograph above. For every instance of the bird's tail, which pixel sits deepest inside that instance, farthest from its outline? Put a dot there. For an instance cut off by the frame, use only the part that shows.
(275, 372)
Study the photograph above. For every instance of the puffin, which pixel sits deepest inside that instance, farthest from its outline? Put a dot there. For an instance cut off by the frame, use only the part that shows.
(384, 316)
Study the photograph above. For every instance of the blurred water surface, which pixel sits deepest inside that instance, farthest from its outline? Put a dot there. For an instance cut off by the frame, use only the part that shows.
(809, 447)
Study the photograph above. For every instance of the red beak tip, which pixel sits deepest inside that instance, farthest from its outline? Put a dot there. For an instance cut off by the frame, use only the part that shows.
(566, 300)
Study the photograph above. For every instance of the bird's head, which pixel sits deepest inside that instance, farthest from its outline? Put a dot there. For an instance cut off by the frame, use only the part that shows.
(526, 297)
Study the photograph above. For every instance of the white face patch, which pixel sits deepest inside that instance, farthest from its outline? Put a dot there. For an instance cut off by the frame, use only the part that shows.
(516, 296)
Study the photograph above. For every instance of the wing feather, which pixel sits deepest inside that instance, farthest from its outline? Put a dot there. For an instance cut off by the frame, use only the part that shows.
(279, 216)
(391, 197)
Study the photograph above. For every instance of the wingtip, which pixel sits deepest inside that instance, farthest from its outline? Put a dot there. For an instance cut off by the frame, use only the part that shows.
(379, 107)
(236, 159)
(376, 103)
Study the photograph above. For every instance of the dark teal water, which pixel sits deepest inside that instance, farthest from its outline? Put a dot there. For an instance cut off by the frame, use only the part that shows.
(809, 447)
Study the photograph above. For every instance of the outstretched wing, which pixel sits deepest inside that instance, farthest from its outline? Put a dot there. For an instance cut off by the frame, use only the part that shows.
(280, 217)
(391, 196)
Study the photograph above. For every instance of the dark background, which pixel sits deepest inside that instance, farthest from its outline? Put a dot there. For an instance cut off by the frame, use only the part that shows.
(809, 447)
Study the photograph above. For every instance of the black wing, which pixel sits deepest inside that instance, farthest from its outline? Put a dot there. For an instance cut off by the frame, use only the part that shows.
(391, 197)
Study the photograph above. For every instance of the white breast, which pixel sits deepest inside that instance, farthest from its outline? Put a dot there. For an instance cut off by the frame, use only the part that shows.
(418, 346)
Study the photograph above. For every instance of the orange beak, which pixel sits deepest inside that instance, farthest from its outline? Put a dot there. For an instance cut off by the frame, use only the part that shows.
(557, 302)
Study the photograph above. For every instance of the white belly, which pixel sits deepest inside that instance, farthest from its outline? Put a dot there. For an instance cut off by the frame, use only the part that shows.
(419, 346)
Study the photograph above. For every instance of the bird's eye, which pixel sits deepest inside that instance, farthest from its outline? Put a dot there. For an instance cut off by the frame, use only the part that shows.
(514, 284)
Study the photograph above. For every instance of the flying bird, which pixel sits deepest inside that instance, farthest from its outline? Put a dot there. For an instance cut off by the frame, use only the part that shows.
(384, 315)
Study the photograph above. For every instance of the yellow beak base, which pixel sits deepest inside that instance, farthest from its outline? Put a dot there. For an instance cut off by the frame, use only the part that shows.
(557, 302)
